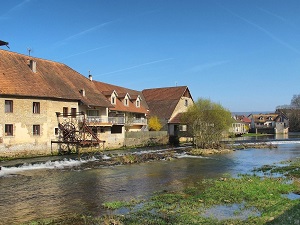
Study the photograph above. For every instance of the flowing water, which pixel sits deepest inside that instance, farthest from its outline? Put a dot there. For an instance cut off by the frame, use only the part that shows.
(58, 187)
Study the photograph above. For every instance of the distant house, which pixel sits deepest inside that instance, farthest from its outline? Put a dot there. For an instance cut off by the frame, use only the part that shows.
(272, 123)
(293, 113)
(168, 104)
(240, 125)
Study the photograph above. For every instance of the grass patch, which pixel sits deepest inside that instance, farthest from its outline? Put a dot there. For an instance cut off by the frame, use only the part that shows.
(120, 204)
(186, 207)
(289, 169)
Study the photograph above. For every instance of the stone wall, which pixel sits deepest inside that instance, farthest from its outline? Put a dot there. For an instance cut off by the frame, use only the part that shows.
(23, 141)
(145, 138)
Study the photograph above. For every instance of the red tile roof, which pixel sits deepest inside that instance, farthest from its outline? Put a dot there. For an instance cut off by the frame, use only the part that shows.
(51, 80)
(244, 119)
(163, 101)
(108, 89)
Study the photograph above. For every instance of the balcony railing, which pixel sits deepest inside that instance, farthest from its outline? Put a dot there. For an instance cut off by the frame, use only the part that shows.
(115, 120)
(139, 121)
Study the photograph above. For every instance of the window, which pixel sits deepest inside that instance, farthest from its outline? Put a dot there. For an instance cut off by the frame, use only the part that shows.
(126, 102)
(137, 103)
(73, 112)
(65, 111)
(56, 131)
(36, 107)
(36, 130)
(9, 130)
(116, 129)
(93, 112)
(182, 127)
(113, 100)
(8, 106)
(186, 102)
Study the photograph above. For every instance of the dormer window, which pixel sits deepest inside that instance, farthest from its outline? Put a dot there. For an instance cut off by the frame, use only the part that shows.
(138, 103)
(113, 100)
(126, 101)
(125, 97)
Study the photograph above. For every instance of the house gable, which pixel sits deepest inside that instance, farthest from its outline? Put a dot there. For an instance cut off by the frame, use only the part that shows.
(166, 103)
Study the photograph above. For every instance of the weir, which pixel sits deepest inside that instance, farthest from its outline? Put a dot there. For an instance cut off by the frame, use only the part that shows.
(74, 132)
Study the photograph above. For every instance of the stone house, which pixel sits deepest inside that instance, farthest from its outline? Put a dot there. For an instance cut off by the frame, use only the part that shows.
(168, 104)
(128, 110)
(240, 125)
(32, 92)
(272, 123)
(45, 104)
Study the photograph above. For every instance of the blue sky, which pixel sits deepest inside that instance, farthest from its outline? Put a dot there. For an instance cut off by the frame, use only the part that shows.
(243, 54)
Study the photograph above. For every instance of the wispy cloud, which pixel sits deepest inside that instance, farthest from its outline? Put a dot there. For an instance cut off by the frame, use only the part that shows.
(263, 30)
(271, 35)
(273, 14)
(278, 17)
(136, 66)
(206, 66)
(82, 33)
(80, 53)
(17, 7)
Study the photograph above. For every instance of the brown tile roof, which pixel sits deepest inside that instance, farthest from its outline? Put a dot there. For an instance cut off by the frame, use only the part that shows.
(163, 101)
(51, 80)
(107, 90)
(262, 118)
(176, 118)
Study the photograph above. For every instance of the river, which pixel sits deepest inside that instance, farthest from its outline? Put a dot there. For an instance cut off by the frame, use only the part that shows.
(55, 187)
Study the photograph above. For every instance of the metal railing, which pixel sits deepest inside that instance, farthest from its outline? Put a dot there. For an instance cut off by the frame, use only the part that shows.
(139, 121)
(115, 120)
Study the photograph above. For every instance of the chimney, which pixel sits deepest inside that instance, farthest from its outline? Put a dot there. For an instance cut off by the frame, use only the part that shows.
(82, 92)
(32, 65)
(90, 76)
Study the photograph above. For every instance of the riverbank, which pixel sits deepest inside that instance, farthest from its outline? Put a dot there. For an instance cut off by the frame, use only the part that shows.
(137, 155)
(247, 199)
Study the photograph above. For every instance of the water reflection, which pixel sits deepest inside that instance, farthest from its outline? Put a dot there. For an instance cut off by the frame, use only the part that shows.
(52, 193)
(268, 137)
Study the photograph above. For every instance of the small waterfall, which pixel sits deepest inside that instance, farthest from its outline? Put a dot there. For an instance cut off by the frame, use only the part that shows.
(61, 164)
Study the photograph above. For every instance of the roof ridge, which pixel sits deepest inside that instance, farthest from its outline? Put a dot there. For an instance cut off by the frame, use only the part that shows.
(185, 86)
(33, 57)
(118, 86)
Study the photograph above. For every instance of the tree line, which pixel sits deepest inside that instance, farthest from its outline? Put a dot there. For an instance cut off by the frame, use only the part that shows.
(292, 111)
